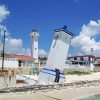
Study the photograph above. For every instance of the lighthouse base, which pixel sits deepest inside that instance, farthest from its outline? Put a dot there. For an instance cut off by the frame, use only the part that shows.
(51, 76)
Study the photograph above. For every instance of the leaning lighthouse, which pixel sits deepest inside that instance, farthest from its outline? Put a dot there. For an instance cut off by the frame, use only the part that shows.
(53, 71)
(34, 44)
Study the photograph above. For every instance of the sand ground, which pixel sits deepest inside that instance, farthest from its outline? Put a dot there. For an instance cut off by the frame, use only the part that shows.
(63, 94)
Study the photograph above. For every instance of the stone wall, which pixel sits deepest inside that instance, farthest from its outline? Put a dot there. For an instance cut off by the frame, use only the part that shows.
(7, 82)
(97, 69)
(23, 71)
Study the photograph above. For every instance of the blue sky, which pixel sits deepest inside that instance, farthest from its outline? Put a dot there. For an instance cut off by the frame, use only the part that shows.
(46, 15)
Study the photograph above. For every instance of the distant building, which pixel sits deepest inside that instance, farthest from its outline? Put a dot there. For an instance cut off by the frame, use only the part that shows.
(86, 61)
(23, 61)
(97, 64)
(82, 60)
(17, 61)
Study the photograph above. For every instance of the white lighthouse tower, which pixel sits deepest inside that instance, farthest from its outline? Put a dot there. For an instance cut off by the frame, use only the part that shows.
(53, 72)
(59, 48)
(34, 45)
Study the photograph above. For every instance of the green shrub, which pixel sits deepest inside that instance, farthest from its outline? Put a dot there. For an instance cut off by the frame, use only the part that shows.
(77, 73)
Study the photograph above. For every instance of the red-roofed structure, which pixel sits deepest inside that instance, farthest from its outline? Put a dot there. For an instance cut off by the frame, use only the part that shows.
(18, 61)
(20, 57)
(23, 60)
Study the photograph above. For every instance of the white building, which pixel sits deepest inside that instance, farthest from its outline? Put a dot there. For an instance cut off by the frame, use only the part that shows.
(85, 61)
(17, 61)
(97, 64)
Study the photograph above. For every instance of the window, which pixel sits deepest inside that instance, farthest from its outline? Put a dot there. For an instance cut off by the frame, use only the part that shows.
(75, 63)
(56, 37)
(81, 58)
(75, 58)
(81, 63)
(19, 63)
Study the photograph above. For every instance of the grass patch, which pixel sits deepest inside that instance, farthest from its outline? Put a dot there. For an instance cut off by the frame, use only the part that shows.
(77, 73)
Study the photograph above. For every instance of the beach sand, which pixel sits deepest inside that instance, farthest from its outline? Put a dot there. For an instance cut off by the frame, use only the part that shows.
(70, 93)
(25, 96)
(74, 93)
(63, 94)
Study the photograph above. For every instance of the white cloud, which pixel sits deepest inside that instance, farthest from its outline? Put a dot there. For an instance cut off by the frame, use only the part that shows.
(15, 46)
(12, 45)
(42, 53)
(85, 41)
(13, 42)
(91, 29)
(3, 13)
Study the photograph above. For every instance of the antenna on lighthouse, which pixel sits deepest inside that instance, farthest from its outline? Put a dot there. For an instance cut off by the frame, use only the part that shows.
(92, 51)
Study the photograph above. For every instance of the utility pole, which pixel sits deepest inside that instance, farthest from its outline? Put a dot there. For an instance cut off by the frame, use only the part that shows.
(3, 53)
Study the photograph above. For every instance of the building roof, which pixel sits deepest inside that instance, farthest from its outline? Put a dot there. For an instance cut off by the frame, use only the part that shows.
(82, 61)
(64, 29)
(97, 57)
(83, 56)
(20, 57)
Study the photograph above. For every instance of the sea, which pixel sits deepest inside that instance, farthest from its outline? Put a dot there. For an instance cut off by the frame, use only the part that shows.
(93, 97)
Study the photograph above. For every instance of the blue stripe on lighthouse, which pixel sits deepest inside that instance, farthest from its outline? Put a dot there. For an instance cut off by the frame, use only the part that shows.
(52, 70)
(52, 74)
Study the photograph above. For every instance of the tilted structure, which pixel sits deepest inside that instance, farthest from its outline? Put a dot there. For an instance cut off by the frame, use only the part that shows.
(53, 72)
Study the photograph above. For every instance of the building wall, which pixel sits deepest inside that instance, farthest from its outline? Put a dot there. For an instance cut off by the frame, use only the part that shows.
(9, 64)
(97, 65)
(35, 50)
(85, 58)
(25, 63)
(98, 59)
(82, 62)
